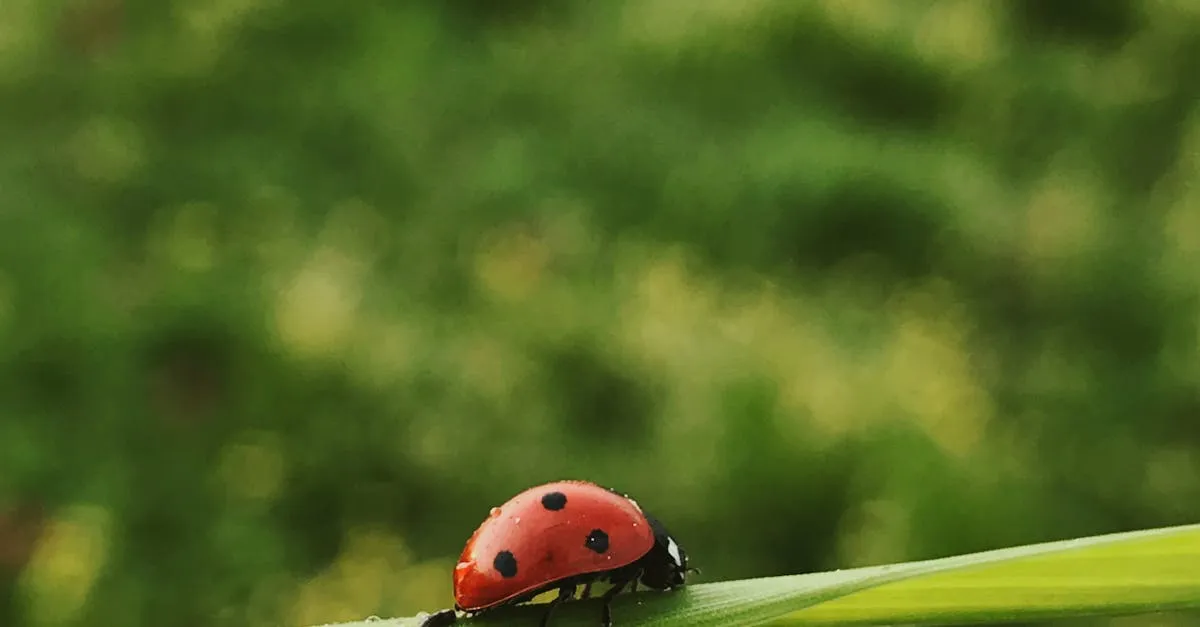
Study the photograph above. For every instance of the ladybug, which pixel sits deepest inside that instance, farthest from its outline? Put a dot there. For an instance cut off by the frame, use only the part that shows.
(557, 536)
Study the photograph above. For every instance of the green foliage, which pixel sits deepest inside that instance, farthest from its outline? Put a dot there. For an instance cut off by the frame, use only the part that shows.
(291, 292)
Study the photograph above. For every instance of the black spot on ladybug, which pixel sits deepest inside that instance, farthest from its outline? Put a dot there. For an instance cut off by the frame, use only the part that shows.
(597, 541)
(506, 564)
(554, 501)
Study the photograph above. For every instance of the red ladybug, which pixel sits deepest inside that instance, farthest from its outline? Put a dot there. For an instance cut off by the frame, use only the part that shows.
(557, 536)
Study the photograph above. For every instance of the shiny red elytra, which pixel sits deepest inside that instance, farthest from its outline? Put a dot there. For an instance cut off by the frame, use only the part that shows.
(555, 537)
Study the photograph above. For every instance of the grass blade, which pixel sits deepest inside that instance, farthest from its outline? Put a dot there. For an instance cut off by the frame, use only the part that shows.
(1141, 571)
(1134, 573)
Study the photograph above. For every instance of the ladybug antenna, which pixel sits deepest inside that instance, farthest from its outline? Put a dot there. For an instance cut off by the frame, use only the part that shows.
(693, 570)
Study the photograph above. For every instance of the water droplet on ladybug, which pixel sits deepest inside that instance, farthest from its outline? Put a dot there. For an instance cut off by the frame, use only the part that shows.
(494, 512)
(516, 520)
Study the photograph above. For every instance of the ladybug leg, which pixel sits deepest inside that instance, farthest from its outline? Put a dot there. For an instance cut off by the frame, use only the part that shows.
(587, 590)
(440, 619)
(565, 593)
(618, 586)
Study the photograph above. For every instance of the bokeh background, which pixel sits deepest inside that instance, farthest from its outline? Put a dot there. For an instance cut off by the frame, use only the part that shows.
(293, 291)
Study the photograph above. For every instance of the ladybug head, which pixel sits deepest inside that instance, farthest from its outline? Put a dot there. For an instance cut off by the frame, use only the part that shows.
(666, 565)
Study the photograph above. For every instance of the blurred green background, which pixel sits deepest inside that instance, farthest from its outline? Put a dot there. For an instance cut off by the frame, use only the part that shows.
(293, 291)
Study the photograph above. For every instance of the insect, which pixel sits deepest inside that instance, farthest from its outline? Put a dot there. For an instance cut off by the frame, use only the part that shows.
(557, 536)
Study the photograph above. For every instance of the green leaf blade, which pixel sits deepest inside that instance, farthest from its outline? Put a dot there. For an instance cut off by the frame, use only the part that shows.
(1139, 572)
(1135, 572)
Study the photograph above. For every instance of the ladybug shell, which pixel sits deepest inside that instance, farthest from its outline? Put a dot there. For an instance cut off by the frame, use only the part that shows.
(547, 533)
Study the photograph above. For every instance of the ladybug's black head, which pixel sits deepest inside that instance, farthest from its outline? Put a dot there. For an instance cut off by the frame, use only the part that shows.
(666, 565)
